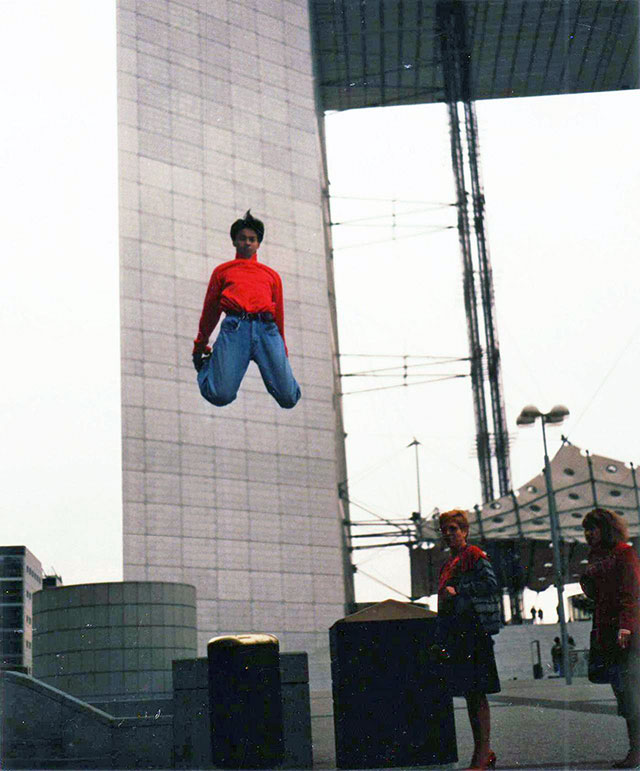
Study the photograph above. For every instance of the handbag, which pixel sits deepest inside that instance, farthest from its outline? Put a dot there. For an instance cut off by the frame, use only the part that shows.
(486, 606)
(488, 611)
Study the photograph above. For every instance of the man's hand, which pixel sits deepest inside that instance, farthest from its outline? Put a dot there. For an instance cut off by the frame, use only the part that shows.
(450, 590)
(199, 360)
(200, 351)
(200, 348)
(624, 638)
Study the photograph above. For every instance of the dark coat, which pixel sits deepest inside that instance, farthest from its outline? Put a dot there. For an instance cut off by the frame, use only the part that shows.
(612, 580)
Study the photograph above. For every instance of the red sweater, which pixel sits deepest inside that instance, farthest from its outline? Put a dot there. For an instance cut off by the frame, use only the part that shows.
(240, 285)
(612, 579)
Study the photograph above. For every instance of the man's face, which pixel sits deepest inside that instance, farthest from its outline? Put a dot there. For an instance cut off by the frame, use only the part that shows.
(246, 243)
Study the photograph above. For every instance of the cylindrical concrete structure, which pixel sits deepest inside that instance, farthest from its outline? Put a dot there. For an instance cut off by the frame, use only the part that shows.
(113, 641)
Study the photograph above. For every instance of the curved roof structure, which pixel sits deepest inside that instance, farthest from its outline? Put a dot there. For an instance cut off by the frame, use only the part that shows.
(387, 52)
(515, 529)
(581, 482)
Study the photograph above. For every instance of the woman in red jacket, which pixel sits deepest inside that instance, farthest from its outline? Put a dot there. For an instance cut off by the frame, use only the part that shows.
(468, 609)
(612, 580)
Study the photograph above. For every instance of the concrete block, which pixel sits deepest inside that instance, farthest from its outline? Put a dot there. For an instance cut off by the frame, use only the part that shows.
(191, 727)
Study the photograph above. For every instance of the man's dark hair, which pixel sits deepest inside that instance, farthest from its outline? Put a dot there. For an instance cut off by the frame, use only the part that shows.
(612, 527)
(248, 222)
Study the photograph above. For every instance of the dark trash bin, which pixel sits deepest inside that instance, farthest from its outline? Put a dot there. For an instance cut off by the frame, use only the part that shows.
(245, 701)
(390, 702)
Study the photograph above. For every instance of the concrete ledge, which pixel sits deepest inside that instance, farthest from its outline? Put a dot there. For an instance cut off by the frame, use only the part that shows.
(145, 742)
(42, 727)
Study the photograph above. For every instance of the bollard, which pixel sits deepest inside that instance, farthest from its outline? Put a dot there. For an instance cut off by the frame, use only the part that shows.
(536, 660)
(391, 707)
(245, 701)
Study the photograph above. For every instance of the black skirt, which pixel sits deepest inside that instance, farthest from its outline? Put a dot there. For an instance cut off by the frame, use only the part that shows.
(471, 663)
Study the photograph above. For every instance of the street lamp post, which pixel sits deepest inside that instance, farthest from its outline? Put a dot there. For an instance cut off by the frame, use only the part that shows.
(528, 416)
(416, 444)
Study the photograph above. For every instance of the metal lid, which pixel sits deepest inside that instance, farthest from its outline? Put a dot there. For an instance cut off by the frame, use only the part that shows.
(234, 640)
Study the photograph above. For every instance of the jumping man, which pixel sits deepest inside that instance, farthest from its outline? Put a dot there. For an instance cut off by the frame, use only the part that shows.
(250, 294)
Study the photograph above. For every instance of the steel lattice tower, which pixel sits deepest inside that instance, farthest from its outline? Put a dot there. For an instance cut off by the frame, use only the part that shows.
(485, 363)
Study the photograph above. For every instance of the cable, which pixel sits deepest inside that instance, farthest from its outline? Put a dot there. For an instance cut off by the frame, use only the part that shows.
(402, 385)
(365, 472)
(382, 583)
(371, 556)
(391, 216)
(370, 523)
(435, 228)
(392, 225)
(385, 373)
(393, 534)
(402, 356)
(373, 514)
(366, 372)
(606, 377)
(435, 204)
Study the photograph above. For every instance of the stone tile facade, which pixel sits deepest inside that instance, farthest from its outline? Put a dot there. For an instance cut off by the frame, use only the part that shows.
(216, 115)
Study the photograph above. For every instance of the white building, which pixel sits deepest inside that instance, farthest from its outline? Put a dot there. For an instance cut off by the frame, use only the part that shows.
(20, 577)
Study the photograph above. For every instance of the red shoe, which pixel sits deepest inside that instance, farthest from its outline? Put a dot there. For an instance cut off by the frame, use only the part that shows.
(490, 763)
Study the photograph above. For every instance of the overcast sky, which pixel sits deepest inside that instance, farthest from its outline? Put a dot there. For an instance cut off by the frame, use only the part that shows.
(561, 177)
(562, 182)
(59, 400)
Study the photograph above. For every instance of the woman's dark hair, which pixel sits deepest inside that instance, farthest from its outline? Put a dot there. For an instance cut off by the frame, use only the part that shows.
(613, 528)
(248, 221)
(459, 516)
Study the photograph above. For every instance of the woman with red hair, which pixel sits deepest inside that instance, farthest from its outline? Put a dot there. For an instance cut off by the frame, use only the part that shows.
(612, 580)
(468, 606)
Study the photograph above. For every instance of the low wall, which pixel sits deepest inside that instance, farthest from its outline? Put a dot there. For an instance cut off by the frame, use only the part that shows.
(513, 647)
(42, 727)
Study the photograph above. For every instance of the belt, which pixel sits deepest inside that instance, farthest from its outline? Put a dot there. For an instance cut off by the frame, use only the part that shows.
(262, 316)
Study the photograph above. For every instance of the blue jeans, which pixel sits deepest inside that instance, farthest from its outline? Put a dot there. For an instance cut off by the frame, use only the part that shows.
(239, 342)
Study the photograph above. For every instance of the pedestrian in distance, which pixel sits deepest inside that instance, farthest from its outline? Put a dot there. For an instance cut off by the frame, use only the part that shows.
(533, 615)
(540, 615)
(469, 612)
(612, 581)
(250, 295)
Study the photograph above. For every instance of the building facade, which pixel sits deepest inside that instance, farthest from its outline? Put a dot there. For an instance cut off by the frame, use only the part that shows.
(217, 114)
(113, 642)
(20, 577)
